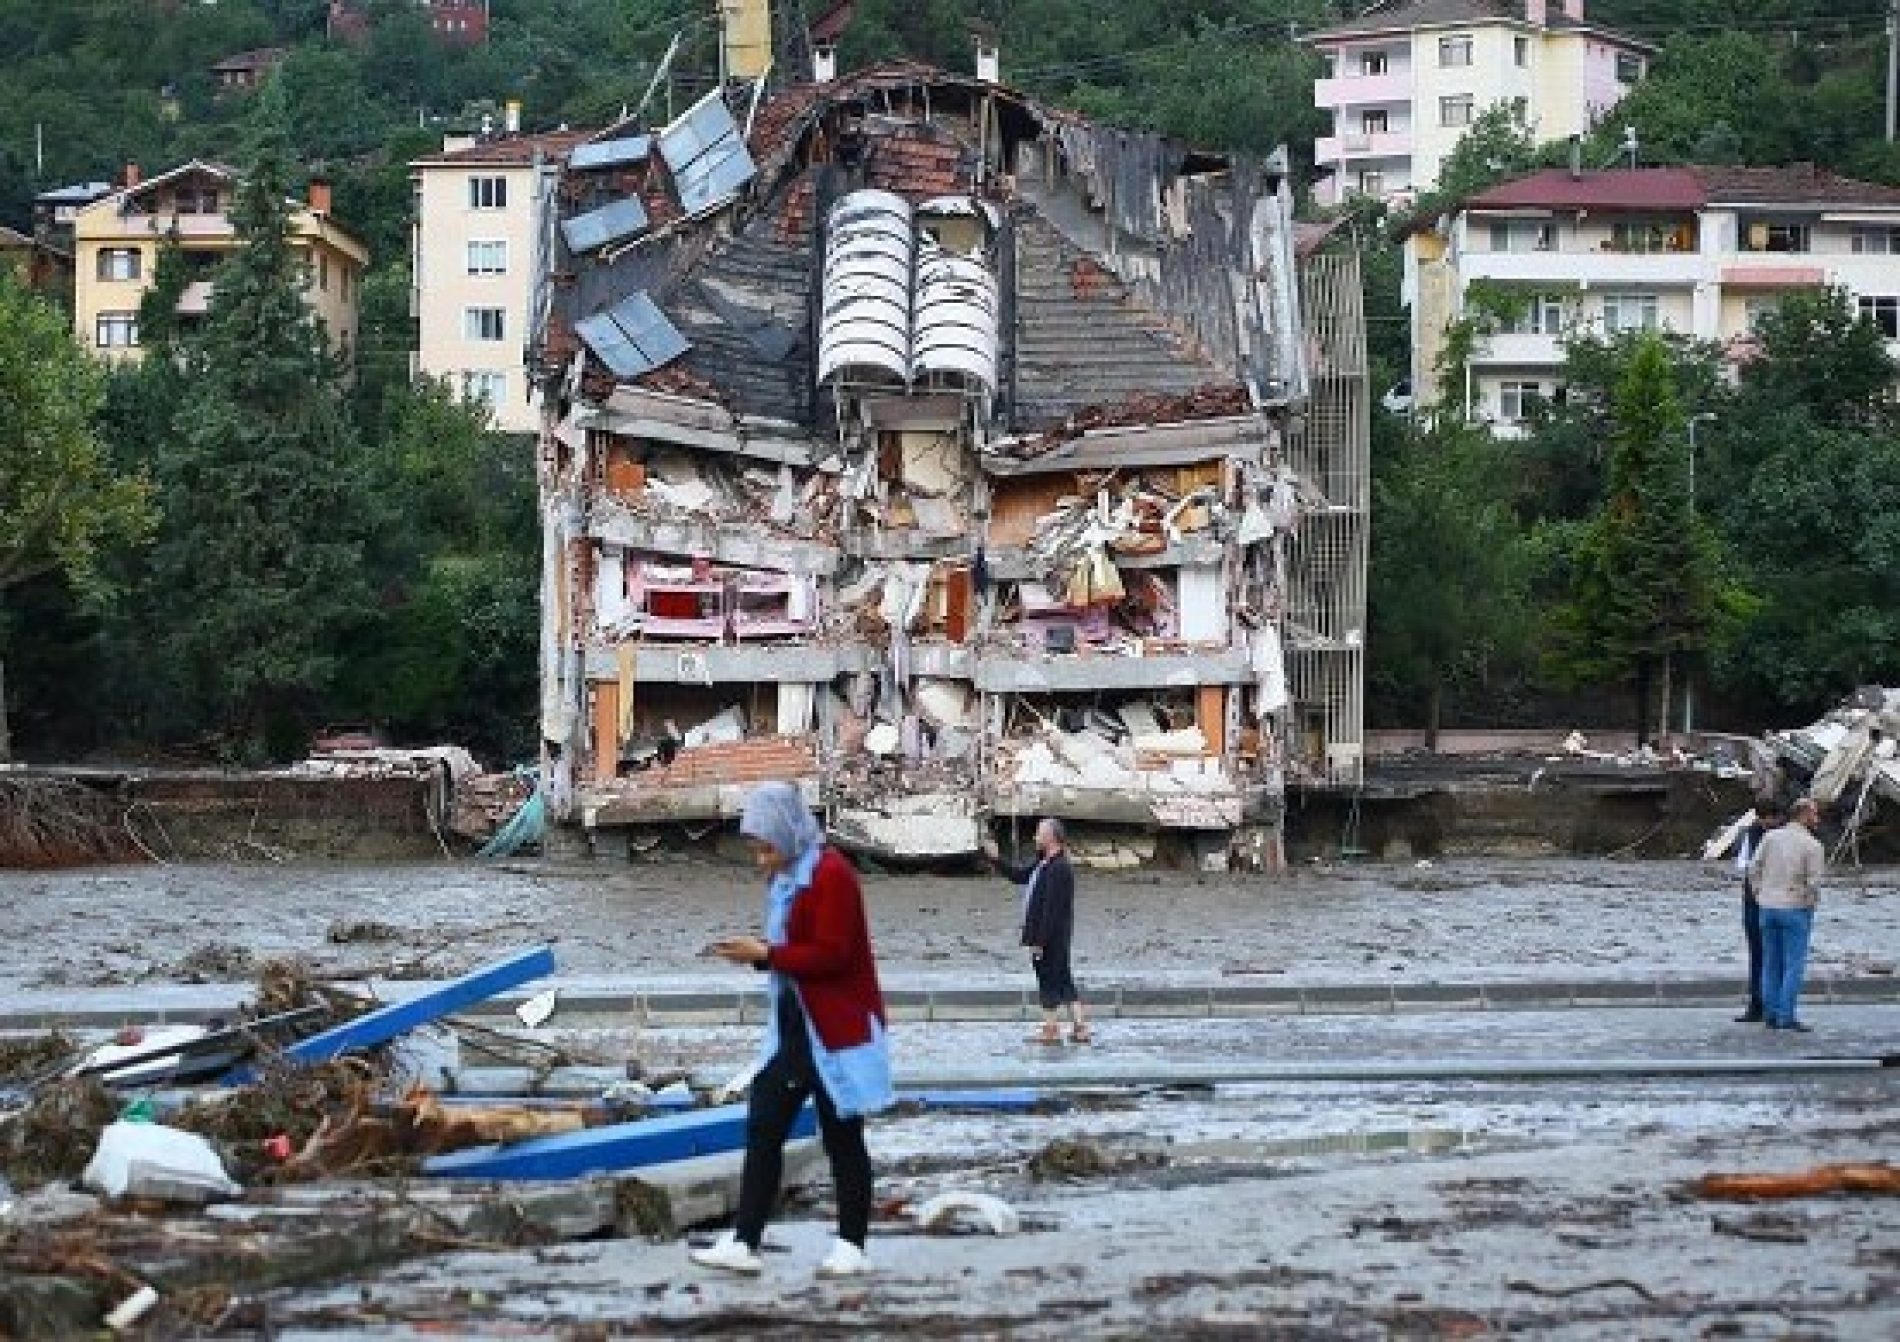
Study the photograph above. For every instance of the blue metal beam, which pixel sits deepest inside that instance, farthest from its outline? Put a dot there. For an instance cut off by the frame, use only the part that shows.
(624, 1146)
(385, 1023)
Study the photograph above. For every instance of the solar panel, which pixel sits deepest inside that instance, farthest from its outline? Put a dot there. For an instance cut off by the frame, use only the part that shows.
(611, 153)
(706, 155)
(632, 337)
(610, 223)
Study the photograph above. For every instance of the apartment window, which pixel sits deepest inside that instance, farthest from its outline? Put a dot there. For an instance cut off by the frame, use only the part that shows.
(1884, 312)
(1373, 63)
(195, 200)
(1455, 111)
(1521, 52)
(323, 273)
(1757, 310)
(116, 330)
(1877, 241)
(1764, 236)
(1652, 235)
(1544, 315)
(1629, 68)
(119, 263)
(1631, 312)
(1523, 235)
(483, 324)
(489, 388)
(488, 193)
(1517, 400)
(1371, 182)
(487, 258)
(1375, 123)
(1453, 51)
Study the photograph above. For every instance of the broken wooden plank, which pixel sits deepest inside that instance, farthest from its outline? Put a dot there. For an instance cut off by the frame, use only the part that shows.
(386, 1023)
(623, 1146)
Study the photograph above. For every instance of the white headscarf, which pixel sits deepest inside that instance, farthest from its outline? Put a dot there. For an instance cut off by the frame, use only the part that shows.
(776, 813)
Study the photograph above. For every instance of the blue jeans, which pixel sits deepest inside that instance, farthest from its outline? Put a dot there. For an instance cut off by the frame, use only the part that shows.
(1784, 960)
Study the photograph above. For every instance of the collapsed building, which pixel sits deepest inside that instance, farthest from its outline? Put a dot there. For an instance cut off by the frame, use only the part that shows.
(950, 455)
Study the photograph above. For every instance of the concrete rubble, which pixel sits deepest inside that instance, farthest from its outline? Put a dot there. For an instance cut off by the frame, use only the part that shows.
(936, 420)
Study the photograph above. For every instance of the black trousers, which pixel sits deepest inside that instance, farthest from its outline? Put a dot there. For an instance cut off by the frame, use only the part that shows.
(1751, 924)
(778, 1092)
(1055, 980)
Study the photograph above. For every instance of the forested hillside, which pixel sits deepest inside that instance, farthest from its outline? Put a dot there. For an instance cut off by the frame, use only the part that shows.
(86, 85)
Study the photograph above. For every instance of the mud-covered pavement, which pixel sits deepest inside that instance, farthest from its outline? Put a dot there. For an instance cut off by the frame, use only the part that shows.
(1454, 920)
(1450, 1208)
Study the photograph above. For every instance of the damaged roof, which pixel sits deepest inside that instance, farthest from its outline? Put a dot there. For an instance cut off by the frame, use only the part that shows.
(739, 285)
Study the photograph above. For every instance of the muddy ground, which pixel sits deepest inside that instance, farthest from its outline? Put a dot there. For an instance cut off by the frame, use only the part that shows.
(1478, 919)
(1338, 1210)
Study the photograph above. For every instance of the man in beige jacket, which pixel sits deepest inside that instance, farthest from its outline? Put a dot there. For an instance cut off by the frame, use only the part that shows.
(1786, 874)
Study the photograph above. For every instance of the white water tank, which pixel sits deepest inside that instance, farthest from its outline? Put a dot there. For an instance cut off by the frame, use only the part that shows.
(954, 329)
(864, 323)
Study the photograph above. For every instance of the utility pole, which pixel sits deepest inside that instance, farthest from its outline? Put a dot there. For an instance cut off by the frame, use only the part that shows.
(1893, 68)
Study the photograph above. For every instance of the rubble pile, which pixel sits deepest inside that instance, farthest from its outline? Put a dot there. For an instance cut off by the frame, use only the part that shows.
(1214, 401)
(486, 802)
(47, 823)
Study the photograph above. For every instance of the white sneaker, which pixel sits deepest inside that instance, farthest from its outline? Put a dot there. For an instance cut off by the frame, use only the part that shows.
(845, 1260)
(729, 1253)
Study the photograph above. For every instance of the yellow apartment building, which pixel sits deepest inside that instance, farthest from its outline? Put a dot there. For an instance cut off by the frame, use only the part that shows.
(116, 242)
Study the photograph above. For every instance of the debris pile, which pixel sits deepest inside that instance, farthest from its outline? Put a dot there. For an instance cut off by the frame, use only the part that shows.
(46, 823)
(316, 1154)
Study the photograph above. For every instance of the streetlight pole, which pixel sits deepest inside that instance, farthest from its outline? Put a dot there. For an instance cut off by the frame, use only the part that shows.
(1688, 680)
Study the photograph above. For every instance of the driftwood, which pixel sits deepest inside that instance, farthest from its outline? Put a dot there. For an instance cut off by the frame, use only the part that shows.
(49, 822)
(1822, 1180)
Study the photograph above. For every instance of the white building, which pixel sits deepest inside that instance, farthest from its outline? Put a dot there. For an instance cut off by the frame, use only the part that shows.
(1406, 78)
(477, 231)
(1700, 251)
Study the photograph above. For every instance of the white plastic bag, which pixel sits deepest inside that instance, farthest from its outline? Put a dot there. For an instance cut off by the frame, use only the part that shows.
(149, 1160)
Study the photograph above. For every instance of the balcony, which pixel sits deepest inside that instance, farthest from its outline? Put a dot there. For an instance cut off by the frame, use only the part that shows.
(1679, 270)
(1358, 90)
(1518, 351)
(1339, 148)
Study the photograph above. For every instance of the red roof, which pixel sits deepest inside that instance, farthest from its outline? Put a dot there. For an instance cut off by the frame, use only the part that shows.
(510, 150)
(1615, 189)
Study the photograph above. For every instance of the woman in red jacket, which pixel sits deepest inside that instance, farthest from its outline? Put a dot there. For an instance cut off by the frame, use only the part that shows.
(824, 1036)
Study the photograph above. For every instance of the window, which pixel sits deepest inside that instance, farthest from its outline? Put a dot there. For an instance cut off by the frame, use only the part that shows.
(195, 200)
(1371, 182)
(1543, 315)
(1455, 111)
(1373, 63)
(1517, 400)
(1766, 236)
(488, 193)
(1877, 241)
(1629, 67)
(1521, 51)
(323, 272)
(1631, 312)
(489, 388)
(116, 330)
(1883, 312)
(119, 263)
(483, 324)
(1454, 51)
(1651, 235)
(1756, 310)
(1523, 235)
(344, 281)
(487, 258)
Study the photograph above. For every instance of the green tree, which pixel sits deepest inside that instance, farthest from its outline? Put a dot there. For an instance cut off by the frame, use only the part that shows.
(268, 514)
(1645, 577)
(1447, 576)
(1819, 355)
(61, 503)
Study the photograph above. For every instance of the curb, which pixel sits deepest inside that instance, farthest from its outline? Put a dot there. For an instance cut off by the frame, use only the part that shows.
(596, 1006)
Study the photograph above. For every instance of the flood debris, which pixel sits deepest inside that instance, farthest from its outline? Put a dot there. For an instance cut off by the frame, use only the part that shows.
(947, 1212)
(1875, 1178)
(32, 1057)
(49, 822)
(154, 1162)
(1069, 1158)
(55, 1133)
